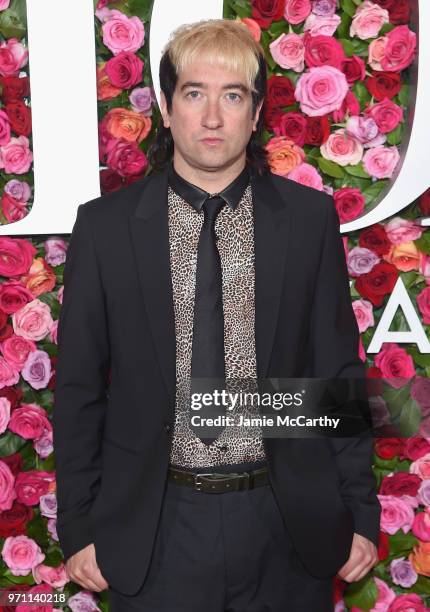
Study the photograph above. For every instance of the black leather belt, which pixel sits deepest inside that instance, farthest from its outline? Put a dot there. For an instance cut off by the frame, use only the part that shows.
(215, 482)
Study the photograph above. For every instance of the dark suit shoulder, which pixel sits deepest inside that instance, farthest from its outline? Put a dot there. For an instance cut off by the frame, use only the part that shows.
(302, 197)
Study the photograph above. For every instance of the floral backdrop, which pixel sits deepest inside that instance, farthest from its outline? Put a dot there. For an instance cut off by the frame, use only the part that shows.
(336, 115)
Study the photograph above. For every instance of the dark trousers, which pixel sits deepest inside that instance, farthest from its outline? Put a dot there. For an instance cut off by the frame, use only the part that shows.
(224, 552)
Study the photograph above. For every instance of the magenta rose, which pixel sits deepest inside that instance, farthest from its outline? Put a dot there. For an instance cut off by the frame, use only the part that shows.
(306, 174)
(323, 51)
(124, 70)
(399, 49)
(349, 202)
(396, 365)
(4, 413)
(29, 421)
(16, 349)
(13, 56)
(7, 487)
(421, 525)
(415, 447)
(126, 158)
(296, 11)
(9, 375)
(423, 301)
(16, 256)
(407, 602)
(387, 115)
(4, 4)
(122, 33)
(30, 485)
(380, 162)
(321, 90)
(15, 156)
(13, 295)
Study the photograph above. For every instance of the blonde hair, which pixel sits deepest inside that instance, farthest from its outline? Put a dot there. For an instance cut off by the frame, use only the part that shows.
(221, 42)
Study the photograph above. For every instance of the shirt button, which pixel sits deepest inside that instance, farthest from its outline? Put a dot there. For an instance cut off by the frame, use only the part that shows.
(167, 427)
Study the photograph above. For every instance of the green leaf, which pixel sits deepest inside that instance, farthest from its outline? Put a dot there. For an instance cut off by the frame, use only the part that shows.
(421, 359)
(373, 190)
(10, 443)
(140, 8)
(395, 137)
(349, 7)
(403, 95)
(362, 93)
(330, 168)
(344, 26)
(11, 25)
(401, 543)
(362, 594)
(410, 418)
(278, 27)
(348, 46)
(423, 243)
(357, 170)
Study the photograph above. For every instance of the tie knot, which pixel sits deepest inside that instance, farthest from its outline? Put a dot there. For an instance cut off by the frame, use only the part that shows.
(212, 206)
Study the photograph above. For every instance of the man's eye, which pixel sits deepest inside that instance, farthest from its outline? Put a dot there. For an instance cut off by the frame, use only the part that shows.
(234, 97)
(190, 94)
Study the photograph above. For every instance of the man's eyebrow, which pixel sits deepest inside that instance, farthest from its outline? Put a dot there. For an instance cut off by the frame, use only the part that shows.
(240, 86)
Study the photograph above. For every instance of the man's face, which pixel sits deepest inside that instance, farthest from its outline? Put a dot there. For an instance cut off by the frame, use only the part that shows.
(211, 117)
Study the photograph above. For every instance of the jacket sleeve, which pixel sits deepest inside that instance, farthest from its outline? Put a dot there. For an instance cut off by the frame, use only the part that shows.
(80, 389)
(335, 346)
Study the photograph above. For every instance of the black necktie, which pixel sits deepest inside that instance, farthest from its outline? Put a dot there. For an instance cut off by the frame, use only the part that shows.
(208, 329)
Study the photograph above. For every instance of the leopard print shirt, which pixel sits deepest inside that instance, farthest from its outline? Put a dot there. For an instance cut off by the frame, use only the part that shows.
(235, 231)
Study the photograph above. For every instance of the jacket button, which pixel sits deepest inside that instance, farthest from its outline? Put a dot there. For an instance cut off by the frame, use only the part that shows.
(167, 427)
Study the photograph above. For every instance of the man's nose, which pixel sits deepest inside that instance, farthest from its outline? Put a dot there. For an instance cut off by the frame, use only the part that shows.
(212, 115)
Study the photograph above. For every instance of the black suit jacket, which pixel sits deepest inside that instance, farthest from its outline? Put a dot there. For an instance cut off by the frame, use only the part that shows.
(115, 375)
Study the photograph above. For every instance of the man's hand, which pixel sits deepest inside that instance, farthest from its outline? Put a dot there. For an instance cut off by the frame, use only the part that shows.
(363, 556)
(82, 568)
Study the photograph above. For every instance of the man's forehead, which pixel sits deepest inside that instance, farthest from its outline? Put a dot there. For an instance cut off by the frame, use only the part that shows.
(211, 73)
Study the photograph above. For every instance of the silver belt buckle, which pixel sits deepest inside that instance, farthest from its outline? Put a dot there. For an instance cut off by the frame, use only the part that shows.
(217, 476)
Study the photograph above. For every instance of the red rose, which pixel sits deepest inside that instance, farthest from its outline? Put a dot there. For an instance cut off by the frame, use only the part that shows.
(353, 68)
(317, 130)
(375, 238)
(387, 448)
(272, 117)
(19, 116)
(110, 180)
(124, 70)
(323, 50)
(14, 461)
(12, 209)
(416, 447)
(349, 202)
(13, 522)
(383, 546)
(292, 126)
(377, 283)
(279, 92)
(424, 202)
(400, 483)
(266, 11)
(386, 4)
(400, 12)
(14, 88)
(384, 85)
(14, 395)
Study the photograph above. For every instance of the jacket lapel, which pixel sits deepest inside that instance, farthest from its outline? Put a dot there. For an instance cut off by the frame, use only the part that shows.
(271, 226)
(150, 240)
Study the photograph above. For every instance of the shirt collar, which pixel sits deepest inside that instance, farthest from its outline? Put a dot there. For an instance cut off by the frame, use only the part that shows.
(196, 196)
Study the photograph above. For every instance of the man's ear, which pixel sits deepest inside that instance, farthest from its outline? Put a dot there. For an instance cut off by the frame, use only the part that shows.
(163, 109)
(257, 115)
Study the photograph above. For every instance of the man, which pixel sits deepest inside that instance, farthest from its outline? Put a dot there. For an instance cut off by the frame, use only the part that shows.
(209, 267)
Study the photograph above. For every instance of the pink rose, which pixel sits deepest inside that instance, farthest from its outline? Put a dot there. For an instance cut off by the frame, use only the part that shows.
(321, 90)
(36, 591)
(306, 174)
(349, 203)
(319, 24)
(323, 51)
(4, 128)
(124, 70)
(421, 467)
(13, 56)
(380, 162)
(288, 51)
(401, 230)
(15, 156)
(376, 53)
(29, 421)
(56, 577)
(16, 349)
(30, 485)
(4, 413)
(421, 525)
(399, 49)
(396, 364)
(122, 33)
(9, 375)
(387, 115)
(4, 4)
(296, 11)
(368, 20)
(342, 148)
(363, 311)
(126, 158)
(7, 487)
(407, 602)
(385, 595)
(252, 26)
(33, 320)
(396, 514)
(423, 301)
(21, 554)
(13, 294)
(350, 106)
